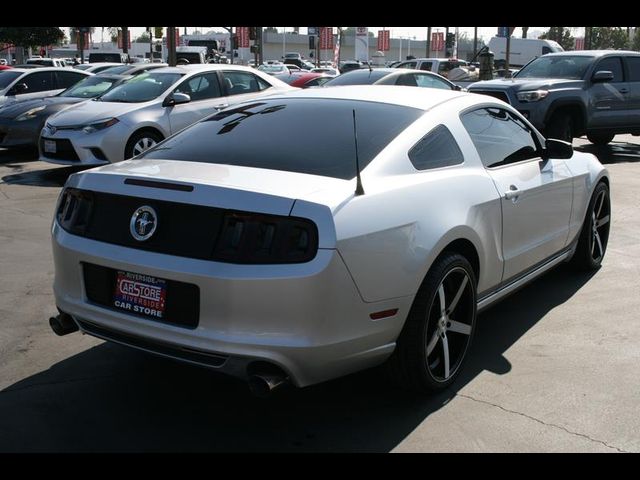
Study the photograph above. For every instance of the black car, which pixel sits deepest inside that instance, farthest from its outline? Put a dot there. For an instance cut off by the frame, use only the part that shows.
(349, 65)
(392, 76)
(21, 122)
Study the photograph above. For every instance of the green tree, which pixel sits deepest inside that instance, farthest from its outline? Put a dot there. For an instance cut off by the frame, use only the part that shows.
(31, 36)
(609, 37)
(561, 35)
(635, 45)
(143, 38)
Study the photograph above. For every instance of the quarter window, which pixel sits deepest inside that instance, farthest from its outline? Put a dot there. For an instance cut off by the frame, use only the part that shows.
(436, 149)
(500, 137)
(431, 81)
(242, 82)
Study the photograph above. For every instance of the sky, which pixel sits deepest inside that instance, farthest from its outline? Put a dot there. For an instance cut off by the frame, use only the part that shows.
(415, 33)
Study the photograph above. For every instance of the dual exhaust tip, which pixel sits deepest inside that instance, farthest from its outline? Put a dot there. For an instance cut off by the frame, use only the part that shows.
(263, 380)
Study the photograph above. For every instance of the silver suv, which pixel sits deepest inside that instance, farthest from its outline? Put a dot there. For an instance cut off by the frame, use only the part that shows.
(569, 94)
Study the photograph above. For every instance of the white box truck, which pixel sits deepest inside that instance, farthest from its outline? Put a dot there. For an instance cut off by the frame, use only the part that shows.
(521, 50)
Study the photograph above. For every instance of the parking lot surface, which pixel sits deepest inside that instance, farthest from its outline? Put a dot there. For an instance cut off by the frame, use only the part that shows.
(553, 368)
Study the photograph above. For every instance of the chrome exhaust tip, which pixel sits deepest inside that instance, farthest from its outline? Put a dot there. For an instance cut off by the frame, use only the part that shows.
(263, 385)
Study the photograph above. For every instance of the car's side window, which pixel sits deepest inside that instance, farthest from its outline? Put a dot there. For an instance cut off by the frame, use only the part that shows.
(430, 81)
(201, 87)
(67, 79)
(408, 65)
(426, 66)
(436, 149)
(500, 137)
(243, 82)
(613, 64)
(38, 82)
(634, 68)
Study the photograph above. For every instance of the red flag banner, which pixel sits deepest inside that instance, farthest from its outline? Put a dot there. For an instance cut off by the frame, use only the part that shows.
(383, 40)
(243, 37)
(437, 41)
(326, 38)
(580, 43)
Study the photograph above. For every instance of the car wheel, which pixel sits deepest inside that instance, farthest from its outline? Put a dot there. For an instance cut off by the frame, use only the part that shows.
(435, 339)
(594, 236)
(600, 138)
(141, 141)
(561, 127)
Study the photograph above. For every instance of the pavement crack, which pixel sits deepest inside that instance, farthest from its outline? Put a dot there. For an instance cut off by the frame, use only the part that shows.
(62, 382)
(543, 423)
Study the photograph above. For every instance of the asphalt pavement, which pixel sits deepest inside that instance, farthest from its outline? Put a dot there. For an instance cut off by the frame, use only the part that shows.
(553, 368)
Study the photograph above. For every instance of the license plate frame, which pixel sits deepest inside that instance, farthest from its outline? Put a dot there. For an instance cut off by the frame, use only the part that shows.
(140, 294)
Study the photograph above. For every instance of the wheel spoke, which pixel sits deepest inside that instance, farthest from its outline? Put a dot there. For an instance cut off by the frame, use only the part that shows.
(596, 236)
(603, 221)
(601, 198)
(454, 302)
(445, 347)
(459, 327)
(432, 343)
(442, 302)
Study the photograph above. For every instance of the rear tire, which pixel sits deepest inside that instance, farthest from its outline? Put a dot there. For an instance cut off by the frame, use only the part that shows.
(594, 236)
(435, 339)
(561, 127)
(600, 138)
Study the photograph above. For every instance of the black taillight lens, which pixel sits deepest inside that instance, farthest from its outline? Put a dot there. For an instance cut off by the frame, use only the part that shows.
(262, 239)
(74, 210)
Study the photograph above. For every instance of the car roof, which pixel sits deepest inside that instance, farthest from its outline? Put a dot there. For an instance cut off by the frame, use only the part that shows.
(422, 98)
(202, 66)
(51, 69)
(591, 53)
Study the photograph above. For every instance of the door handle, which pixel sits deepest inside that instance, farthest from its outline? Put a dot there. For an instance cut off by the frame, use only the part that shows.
(221, 106)
(624, 90)
(513, 193)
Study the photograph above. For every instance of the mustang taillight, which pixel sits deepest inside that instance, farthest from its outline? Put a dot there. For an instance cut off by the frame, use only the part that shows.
(262, 239)
(74, 210)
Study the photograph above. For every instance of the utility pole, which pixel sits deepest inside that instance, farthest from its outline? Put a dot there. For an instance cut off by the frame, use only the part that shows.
(447, 54)
(171, 46)
(428, 42)
(475, 42)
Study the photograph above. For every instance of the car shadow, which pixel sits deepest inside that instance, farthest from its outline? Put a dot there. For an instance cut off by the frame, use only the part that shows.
(112, 398)
(11, 156)
(52, 177)
(614, 152)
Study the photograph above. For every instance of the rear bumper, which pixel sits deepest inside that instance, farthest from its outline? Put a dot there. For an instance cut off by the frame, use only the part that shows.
(308, 319)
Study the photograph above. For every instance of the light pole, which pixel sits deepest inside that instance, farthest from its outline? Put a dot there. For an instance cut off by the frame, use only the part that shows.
(284, 33)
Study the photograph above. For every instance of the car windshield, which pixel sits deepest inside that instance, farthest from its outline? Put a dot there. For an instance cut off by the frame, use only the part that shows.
(557, 66)
(7, 76)
(357, 77)
(277, 134)
(118, 69)
(142, 88)
(83, 66)
(89, 87)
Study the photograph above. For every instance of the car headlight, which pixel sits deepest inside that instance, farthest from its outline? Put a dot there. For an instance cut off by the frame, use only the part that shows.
(101, 125)
(29, 114)
(532, 95)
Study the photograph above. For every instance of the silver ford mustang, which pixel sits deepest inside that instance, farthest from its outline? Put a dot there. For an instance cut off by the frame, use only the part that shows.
(304, 236)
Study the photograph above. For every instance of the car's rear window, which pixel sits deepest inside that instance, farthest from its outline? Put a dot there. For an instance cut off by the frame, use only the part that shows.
(304, 135)
(357, 77)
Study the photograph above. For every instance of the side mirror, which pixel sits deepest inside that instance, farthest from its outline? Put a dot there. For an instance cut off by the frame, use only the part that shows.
(602, 76)
(457, 88)
(560, 149)
(18, 89)
(176, 98)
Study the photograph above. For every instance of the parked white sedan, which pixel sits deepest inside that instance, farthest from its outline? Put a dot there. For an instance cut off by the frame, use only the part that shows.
(146, 109)
(235, 246)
